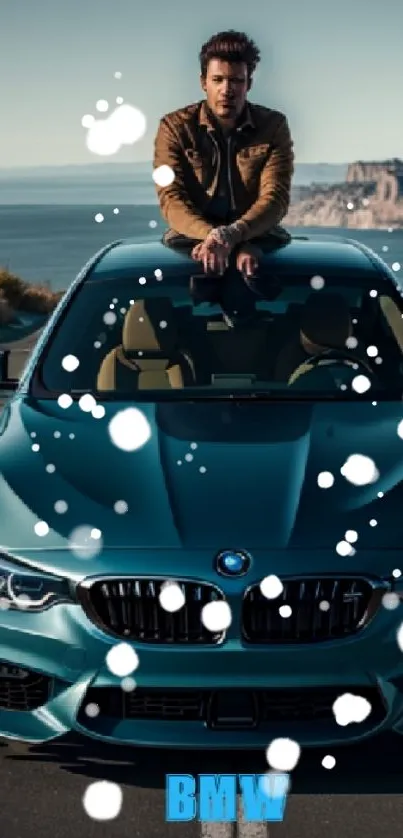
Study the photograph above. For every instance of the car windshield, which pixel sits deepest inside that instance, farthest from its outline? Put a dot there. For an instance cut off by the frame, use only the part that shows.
(164, 338)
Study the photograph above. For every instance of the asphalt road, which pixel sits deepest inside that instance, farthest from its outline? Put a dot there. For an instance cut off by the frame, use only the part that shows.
(42, 787)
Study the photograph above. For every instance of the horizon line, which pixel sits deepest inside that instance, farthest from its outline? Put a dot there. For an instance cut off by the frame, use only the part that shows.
(133, 163)
(97, 164)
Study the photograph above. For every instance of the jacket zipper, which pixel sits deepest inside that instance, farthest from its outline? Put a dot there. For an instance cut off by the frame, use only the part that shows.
(229, 173)
(218, 154)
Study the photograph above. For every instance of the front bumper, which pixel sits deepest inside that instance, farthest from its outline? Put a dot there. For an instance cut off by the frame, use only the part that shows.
(64, 646)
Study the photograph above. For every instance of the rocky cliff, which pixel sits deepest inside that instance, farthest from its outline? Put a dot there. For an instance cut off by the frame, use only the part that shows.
(370, 197)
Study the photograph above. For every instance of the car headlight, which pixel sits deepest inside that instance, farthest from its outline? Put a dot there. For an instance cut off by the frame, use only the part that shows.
(23, 588)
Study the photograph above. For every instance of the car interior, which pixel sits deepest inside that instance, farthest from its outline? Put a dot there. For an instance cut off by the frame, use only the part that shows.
(160, 341)
(209, 349)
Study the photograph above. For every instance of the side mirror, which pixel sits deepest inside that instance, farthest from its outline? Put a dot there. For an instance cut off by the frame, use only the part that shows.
(7, 383)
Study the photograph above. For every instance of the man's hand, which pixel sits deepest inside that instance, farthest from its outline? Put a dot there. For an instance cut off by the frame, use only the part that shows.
(213, 253)
(215, 256)
(247, 260)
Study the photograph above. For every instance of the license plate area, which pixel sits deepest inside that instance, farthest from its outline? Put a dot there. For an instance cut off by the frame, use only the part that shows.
(233, 710)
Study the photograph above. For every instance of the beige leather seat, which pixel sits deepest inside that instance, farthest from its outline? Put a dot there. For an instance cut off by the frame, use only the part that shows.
(149, 356)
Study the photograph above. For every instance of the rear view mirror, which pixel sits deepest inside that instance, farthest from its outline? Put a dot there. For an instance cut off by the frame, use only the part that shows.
(266, 286)
(205, 288)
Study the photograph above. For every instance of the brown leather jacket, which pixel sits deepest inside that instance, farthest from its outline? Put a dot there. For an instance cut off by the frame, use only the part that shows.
(260, 171)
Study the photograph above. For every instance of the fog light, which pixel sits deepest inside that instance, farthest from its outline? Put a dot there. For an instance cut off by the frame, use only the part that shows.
(9, 672)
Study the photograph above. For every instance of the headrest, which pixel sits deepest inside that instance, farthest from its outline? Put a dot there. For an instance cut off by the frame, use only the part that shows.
(149, 326)
(326, 320)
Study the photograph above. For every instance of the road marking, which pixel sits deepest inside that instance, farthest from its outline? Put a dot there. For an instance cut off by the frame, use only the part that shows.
(240, 829)
(217, 830)
(250, 829)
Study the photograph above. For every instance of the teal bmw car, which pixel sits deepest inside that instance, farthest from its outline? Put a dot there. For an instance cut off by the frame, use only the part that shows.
(201, 504)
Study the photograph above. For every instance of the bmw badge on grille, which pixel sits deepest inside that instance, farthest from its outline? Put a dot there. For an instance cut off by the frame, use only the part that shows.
(233, 563)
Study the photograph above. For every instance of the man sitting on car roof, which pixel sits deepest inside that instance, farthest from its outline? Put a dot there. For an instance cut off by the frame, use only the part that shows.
(232, 163)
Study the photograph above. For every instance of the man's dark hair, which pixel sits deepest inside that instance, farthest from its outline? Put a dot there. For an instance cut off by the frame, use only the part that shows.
(234, 47)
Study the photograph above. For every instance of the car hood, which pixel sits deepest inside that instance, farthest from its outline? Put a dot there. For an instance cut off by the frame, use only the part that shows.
(211, 475)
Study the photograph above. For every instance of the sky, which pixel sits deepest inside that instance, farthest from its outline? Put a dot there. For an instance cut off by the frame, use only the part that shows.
(334, 68)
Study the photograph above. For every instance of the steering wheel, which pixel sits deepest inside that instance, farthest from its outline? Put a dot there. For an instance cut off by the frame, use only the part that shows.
(331, 356)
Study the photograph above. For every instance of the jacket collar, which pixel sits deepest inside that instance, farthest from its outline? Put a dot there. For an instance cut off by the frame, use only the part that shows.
(206, 118)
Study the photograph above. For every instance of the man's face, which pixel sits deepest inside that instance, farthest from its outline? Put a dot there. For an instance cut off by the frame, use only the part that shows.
(226, 87)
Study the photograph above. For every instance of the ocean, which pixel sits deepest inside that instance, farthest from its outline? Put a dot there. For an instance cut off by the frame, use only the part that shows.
(50, 243)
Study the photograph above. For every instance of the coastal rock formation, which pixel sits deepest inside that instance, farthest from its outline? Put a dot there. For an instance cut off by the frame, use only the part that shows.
(370, 197)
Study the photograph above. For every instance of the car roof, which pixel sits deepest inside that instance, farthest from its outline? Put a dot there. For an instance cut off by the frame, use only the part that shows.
(311, 254)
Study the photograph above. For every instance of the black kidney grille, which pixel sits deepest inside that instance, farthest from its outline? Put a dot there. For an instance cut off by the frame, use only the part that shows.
(130, 608)
(347, 601)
